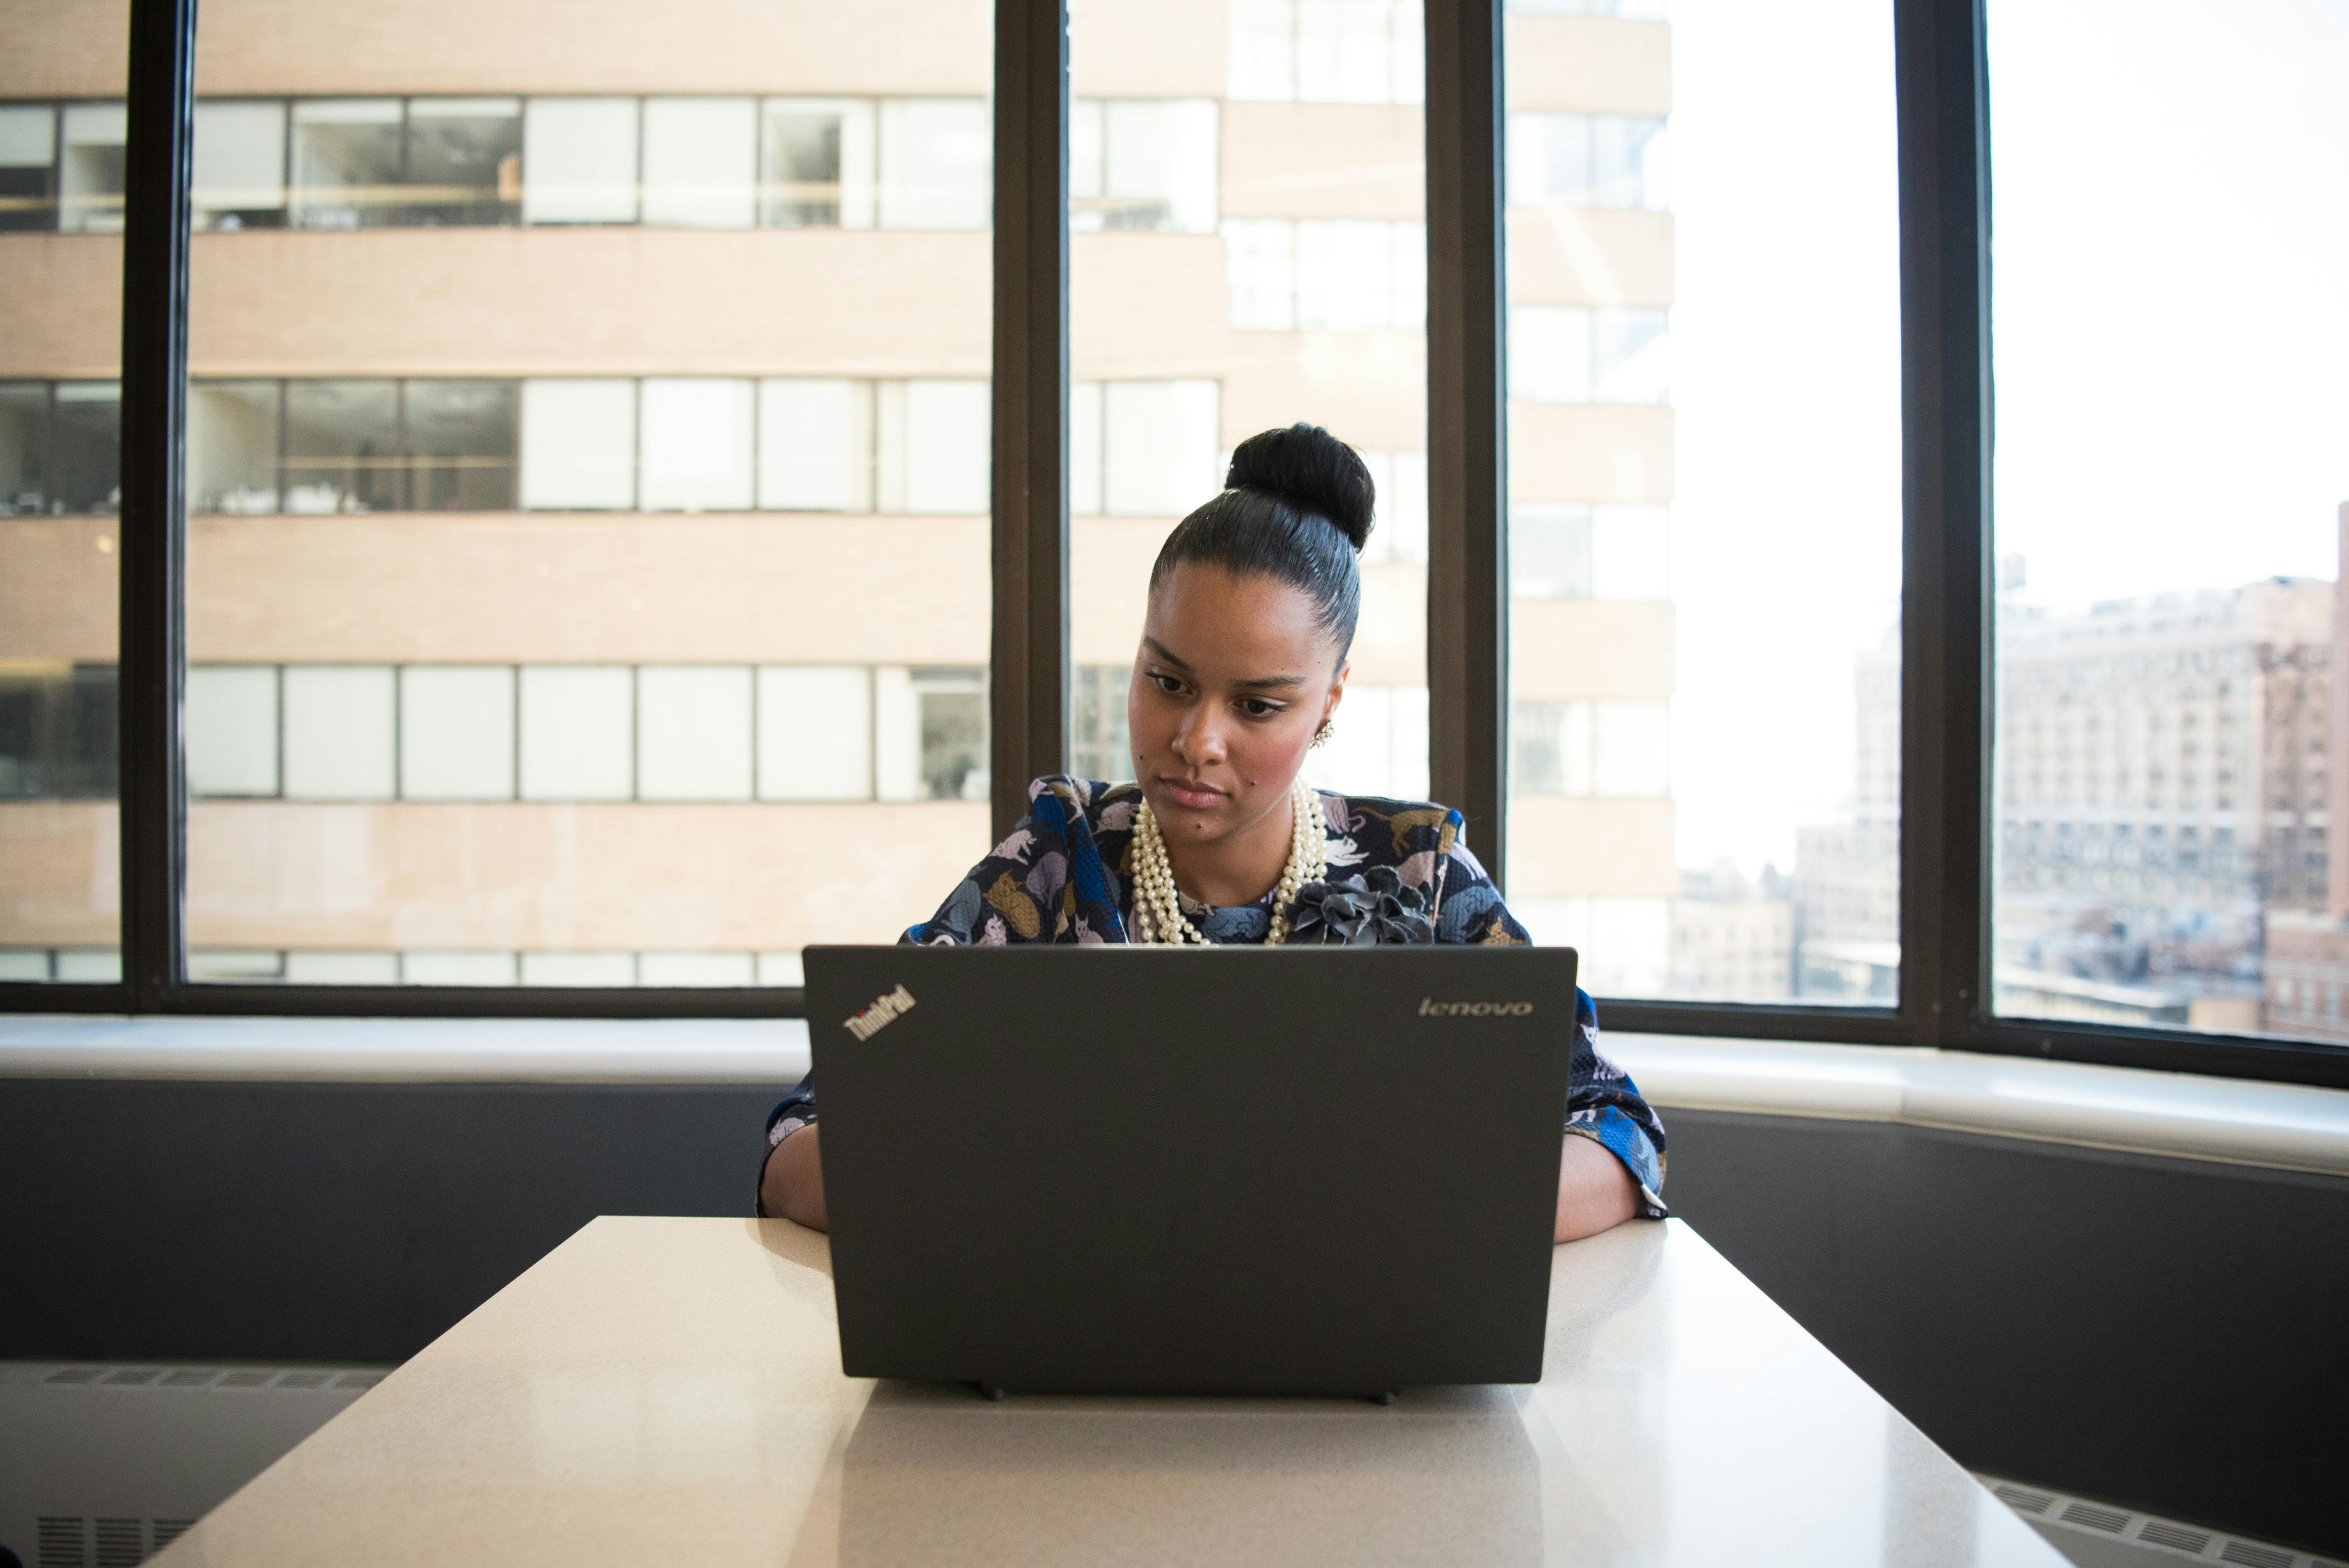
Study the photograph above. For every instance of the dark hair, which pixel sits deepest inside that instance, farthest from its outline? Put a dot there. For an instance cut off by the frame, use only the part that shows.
(1296, 507)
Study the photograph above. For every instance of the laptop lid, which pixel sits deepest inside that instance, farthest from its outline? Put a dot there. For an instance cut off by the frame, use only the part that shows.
(1231, 1170)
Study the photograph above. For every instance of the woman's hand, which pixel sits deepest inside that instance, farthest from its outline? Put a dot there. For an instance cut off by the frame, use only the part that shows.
(1595, 1192)
(791, 1186)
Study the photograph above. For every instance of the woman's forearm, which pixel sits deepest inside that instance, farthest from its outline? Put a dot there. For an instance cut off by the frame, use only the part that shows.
(793, 1185)
(1594, 1190)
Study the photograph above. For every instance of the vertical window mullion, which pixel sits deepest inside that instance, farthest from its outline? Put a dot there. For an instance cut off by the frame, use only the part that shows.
(160, 140)
(1945, 648)
(1467, 577)
(1029, 686)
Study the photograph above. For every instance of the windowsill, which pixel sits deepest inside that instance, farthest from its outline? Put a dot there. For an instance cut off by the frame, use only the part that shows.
(2235, 1122)
(2289, 1127)
(407, 1050)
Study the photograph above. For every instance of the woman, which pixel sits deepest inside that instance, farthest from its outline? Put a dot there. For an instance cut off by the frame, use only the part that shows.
(1242, 669)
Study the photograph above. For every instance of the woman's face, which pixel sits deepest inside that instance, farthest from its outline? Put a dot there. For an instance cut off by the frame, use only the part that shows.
(1233, 677)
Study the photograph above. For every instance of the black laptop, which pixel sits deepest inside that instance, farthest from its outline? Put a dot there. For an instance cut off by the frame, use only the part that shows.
(1236, 1170)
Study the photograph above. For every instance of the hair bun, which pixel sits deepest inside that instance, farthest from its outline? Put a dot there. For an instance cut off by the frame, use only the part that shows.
(1312, 470)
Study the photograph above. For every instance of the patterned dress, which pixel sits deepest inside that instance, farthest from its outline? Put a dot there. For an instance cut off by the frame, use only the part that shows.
(1066, 875)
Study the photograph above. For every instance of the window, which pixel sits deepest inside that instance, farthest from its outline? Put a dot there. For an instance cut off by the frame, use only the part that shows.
(340, 732)
(934, 154)
(61, 168)
(695, 443)
(815, 445)
(577, 725)
(1563, 354)
(1587, 160)
(526, 622)
(701, 165)
(693, 733)
(1327, 274)
(1142, 164)
(57, 732)
(1327, 51)
(457, 733)
(579, 445)
(2165, 792)
(817, 163)
(524, 570)
(1701, 578)
(579, 156)
(60, 447)
(28, 157)
(91, 167)
(239, 176)
(1100, 745)
(464, 162)
(346, 163)
(815, 732)
(1272, 268)
(231, 716)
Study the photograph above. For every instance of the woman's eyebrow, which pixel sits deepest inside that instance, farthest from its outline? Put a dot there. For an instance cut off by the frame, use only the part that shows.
(1159, 648)
(1261, 683)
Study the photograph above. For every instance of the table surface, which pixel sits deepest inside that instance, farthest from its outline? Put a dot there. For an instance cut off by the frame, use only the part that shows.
(669, 1390)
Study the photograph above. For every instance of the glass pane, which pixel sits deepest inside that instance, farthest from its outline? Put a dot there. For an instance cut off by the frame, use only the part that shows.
(1704, 502)
(2170, 508)
(61, 165)
(603, 602)
(1248, 252)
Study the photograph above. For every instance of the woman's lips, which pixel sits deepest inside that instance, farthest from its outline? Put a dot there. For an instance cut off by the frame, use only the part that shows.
(1193, 797)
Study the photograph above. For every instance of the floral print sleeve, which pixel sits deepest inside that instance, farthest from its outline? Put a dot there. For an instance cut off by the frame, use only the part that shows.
(1051, 880)
(1064, 875)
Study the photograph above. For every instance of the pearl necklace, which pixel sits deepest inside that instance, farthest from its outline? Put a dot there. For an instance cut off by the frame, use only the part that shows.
(1158, 914)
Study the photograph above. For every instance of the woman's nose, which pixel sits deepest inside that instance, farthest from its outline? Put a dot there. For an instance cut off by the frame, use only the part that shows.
(1200, 741)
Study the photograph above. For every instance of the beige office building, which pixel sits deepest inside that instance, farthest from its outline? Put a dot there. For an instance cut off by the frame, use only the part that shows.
(588, 456)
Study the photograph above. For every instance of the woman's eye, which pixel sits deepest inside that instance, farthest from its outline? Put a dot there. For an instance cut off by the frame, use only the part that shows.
(1257, 707)
(1168, 684)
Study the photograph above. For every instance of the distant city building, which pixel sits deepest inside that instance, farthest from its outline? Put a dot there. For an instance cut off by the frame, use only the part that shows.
(1732, 938)
(1847, 875)
(2162, 790)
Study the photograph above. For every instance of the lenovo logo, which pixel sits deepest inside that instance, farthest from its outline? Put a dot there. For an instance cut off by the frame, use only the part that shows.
(1428, 1007)
(871, 1020)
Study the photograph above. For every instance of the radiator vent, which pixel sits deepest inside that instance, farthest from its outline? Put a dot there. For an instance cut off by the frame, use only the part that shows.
(71, 1541)
(298, 1378)
(2252, 1556)
(121, 1542)
(2088, 1516)
(2052, 1510)
(64, 1542)
(2160, 1533)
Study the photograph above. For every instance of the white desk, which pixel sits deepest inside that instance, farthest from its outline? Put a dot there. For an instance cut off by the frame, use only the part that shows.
(669, 1391)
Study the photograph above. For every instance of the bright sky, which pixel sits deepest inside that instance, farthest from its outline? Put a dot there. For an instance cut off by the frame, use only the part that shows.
(2172, 328)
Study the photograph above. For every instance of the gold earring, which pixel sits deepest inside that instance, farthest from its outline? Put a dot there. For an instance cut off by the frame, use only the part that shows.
(1321, 736)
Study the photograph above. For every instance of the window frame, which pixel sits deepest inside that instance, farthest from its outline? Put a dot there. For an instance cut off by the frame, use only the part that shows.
(1941, 92)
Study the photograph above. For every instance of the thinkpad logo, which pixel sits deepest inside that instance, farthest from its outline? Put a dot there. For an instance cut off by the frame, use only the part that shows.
(870, 1021)
(1428, 1007)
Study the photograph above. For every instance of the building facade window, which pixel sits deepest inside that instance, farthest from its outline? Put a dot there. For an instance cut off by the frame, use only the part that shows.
(583, 444)
(672, 161)
(1327, 51)
(1142, 164)
(1568, 353)
(540, 732)
(1333, 274)
(1587, 160)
